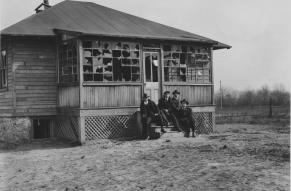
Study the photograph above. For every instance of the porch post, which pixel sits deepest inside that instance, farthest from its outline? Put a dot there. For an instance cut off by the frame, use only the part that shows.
(82, 136)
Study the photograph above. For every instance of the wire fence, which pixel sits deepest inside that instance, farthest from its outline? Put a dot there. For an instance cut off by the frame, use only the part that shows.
(245, 114)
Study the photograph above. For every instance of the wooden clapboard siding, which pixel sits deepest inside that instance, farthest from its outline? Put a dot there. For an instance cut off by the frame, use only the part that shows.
(196, 95)
(69, 96)
(6, 95)
(35, 83)
(111, 96)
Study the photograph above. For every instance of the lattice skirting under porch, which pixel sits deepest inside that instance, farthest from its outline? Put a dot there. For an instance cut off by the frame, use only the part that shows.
(204, 122)
(109, 126)
(67, 127)
(117, 126)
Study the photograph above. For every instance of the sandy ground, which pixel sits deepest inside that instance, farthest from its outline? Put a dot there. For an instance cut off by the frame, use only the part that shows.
(235, 157)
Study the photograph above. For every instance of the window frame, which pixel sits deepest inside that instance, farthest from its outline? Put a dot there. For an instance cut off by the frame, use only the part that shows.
(4, 70)
(204, 79)
(112, 47)
(66, 61)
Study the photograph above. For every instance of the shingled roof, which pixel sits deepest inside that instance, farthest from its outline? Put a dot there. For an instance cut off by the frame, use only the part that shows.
(91, 19)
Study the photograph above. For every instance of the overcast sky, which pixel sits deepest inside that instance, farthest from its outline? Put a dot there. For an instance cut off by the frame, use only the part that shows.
(259, 32)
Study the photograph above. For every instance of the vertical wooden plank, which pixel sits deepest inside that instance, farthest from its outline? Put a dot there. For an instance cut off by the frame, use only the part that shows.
(161, 70)
(210, 96)
(57, 71)
(90, 96)
(101, 97)
(72, 101)
(72, 98)
(112, 101)
(203, 95)
(106, 92)
(207, 95)
(142, 73)
(96, 103)
(80, 72)
(212, 76)
(198, 94)
(13, 77)
(118, 101)
(93, 97)
(67, 97)
(61, 96)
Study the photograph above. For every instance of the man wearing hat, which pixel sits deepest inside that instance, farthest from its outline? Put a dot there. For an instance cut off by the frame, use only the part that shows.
(149, 111)
(165, 109)
(175, 108)
(186, 118)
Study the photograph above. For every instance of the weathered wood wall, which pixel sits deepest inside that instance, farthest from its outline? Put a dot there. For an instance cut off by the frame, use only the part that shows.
(111, 96)
(196, 95)
(69, 96)
(34, 70)
(6, 95)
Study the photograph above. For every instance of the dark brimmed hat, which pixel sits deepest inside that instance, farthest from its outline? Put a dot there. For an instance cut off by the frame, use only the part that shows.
(176, 92)
(145, 96)
(166, 92)
(185, 101)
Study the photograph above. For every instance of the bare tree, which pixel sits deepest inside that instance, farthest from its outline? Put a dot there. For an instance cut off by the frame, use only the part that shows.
(234, 98)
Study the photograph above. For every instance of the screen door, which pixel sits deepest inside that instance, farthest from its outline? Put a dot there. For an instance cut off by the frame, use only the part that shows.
(151, 75)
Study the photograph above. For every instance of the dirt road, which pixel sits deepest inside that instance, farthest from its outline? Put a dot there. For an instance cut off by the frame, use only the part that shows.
(235, 157)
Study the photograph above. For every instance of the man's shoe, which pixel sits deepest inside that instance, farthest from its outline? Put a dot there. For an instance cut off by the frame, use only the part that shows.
(186, 135)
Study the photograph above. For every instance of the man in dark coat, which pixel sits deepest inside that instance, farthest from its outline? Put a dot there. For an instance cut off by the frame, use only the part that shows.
(175, 108)
(165, 109)
(149, 111)
(186, 118)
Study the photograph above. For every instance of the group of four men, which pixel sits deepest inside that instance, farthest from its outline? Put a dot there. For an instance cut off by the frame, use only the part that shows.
(169, 109)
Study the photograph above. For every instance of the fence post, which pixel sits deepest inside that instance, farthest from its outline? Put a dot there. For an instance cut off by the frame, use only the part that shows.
(270, 108)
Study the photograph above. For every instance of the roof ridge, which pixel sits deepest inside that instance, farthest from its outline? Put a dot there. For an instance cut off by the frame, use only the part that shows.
(129, 14)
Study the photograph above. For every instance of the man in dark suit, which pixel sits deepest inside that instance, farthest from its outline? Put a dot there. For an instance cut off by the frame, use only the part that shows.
(149, 112)
(186, 118)
(165, 109)
(175, 108)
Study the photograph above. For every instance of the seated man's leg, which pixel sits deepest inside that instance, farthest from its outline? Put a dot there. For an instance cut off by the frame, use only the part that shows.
(185, 125)
(144, 127)
(164, 119)
(148, 126)
(191, 126)
(176, 122)
(168, 116)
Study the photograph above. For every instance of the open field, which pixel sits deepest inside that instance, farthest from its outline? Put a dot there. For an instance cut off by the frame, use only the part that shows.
(236, 157)
(254, 115)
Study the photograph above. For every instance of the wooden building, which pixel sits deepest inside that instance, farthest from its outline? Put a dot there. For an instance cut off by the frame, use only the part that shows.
(78, 70)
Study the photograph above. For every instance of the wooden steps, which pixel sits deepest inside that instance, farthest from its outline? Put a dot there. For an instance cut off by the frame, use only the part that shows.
(157, 128)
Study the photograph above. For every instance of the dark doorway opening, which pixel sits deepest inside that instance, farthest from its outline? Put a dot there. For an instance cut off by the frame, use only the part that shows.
(41, 128)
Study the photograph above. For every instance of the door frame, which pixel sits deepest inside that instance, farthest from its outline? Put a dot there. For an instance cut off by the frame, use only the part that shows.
(160, 69)
(51, 120)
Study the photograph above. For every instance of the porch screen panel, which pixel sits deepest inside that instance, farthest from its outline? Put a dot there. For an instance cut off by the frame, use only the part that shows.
(186, 64)
(67, 56)
(111, 61)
